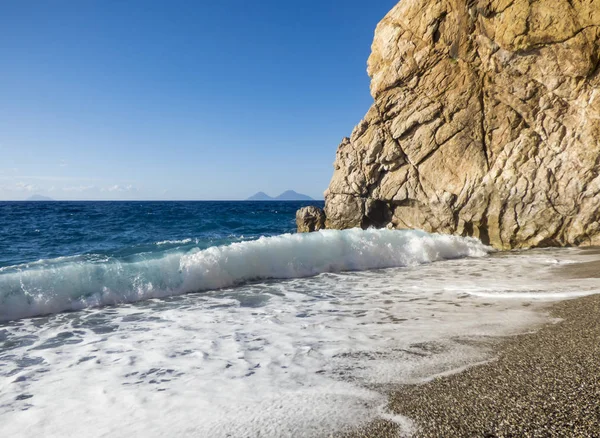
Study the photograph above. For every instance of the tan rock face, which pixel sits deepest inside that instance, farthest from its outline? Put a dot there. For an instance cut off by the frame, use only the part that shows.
(485, 122)
(310, 219)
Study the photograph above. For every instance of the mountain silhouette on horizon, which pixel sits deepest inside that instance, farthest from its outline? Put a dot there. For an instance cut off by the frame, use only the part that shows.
(288, 195)
(39, 198)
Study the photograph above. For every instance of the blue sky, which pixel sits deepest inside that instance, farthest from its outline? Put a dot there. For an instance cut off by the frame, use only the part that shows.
(200, 99)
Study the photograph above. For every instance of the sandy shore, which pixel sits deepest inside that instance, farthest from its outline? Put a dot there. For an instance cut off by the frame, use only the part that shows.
(544, 384)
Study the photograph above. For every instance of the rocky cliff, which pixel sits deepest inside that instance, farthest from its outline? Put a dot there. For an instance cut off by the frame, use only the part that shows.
(485, 122)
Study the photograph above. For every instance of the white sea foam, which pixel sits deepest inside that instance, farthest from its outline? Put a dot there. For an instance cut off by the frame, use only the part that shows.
(297, 357)
(57, 285)
(538, 295)
(175, 242)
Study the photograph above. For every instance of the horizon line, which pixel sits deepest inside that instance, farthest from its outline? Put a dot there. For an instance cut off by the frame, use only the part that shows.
(160, 200)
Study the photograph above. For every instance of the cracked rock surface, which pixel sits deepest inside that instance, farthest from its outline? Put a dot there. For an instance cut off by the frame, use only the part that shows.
(485, 122)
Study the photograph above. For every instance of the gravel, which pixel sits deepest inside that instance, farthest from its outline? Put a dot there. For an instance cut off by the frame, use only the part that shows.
(543, 384)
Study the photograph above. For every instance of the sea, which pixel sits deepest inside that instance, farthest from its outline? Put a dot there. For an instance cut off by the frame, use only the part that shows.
(216, 319)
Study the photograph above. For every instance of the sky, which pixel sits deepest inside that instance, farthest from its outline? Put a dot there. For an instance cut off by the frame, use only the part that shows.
(182, 100)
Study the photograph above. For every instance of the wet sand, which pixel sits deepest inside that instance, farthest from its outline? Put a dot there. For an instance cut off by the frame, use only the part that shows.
(543, 384)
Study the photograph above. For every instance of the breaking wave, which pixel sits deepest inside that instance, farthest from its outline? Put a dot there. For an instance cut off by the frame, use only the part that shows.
(73, 283)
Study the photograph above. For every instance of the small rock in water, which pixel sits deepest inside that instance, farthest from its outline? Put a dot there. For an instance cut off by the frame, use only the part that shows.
(310, 219)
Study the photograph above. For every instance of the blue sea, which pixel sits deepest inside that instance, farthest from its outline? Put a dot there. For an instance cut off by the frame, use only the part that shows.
(216, 319)
(33, 231)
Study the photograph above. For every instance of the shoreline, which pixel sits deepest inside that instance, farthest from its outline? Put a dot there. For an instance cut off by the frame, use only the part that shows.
(545, 383)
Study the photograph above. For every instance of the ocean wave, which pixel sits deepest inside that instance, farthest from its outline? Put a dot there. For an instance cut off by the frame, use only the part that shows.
(53, 286)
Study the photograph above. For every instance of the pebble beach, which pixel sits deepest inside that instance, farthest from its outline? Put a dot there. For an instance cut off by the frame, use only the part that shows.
(541, 384)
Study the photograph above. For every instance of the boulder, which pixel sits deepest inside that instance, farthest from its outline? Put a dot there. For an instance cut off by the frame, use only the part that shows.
(310, 219)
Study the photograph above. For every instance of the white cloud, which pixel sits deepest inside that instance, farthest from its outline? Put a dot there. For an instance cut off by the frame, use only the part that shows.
(21, 187)
(46, 179)
(26, 187)
(9, 172)
(78, 189)
(121, 188)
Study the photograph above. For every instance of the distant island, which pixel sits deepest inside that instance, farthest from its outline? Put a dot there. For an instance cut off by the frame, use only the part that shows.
(288, 195)
(39, 198)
